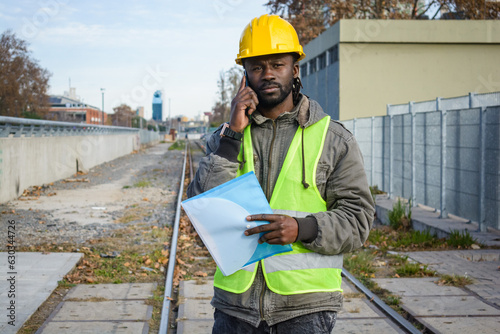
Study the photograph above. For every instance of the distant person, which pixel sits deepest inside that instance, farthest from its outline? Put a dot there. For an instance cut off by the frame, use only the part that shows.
(311, 170)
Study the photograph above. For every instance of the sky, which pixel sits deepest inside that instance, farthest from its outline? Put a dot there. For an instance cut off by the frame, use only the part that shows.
(132, 48)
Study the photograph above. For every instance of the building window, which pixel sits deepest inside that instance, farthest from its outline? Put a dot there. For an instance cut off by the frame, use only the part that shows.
(303, 70)
(333, 55)
(312, 65)
(322, 60)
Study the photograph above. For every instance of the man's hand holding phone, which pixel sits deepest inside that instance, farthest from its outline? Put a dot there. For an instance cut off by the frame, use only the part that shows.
(243, 105)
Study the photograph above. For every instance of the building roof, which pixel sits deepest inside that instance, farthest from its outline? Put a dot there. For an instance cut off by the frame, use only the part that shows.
(61, 101)
(406, 31)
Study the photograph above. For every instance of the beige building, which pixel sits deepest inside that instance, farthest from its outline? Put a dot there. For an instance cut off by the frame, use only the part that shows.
(356, 67)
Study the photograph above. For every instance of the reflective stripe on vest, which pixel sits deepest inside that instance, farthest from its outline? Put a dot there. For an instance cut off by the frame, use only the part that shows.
(300, 270)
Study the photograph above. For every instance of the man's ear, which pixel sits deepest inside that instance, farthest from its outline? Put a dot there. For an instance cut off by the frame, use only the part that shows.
(296, 69)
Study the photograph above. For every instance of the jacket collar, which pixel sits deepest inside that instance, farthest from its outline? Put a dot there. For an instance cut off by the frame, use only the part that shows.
(306, 113)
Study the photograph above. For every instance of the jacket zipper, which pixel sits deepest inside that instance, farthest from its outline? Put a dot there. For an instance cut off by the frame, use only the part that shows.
(261, 303)
(269, 162)
(261, 298)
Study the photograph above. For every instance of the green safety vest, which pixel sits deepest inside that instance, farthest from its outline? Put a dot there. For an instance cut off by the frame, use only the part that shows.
(300, 270)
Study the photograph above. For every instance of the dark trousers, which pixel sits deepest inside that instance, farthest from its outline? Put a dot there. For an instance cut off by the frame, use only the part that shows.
(314, 323)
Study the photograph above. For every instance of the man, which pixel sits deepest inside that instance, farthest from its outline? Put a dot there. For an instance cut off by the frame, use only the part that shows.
(311, 170)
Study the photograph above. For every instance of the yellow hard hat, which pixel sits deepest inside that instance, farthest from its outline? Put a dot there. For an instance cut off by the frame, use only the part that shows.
(268, 34)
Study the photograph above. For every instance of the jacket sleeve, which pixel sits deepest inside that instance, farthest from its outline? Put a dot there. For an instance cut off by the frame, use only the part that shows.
(346, 224)
(218, 166)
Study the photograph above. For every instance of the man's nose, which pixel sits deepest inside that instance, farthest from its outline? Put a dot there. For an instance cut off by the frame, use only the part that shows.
(268, 73)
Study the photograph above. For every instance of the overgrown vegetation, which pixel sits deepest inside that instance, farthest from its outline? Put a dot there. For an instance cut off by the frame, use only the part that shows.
(411, 269)
(386, 238)
(178, 145)
(455, 280)
(374, 190)
(400, 215)
(142, 184)
(461, 239)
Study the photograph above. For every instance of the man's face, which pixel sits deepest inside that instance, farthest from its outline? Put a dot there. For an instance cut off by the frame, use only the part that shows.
(271, 77)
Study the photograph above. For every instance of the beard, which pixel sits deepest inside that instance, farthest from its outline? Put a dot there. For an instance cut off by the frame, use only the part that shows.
(272, 100)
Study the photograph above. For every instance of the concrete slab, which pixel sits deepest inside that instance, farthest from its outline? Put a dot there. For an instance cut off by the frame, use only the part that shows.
(196, 289)
(418, 287)
(358, 308)
(103, 311)
(365, 326)
(127, 291)
(190, 309)
(453, 325)
(194, 326)
(36, 276)
(348, 288)
(466, 306)
(94, 327)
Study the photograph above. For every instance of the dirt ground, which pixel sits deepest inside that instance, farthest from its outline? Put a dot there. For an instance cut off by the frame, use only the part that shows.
(119, 215)
(139, 187)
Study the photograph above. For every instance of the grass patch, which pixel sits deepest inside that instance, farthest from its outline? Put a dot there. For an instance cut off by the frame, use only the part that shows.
(461, 239)
(392, 300)
(157, 302)
(455, 280)
(414, 270)
(142, 184)
(360, 264)
(374, 190)
(65, 284)
(386, 238)
(400, 215)
(417, 239)
(178, 145)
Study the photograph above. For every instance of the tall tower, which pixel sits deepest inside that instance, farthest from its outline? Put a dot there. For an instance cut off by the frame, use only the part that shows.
(157, 106)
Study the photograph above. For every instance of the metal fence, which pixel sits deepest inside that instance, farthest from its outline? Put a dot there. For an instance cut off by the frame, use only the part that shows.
(23, 127)
(472, 100)
(447, 159)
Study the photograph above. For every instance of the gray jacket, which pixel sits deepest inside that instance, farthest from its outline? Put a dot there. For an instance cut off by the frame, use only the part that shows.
(341, 180)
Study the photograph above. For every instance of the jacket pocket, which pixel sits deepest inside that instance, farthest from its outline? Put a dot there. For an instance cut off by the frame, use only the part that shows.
(322, 173)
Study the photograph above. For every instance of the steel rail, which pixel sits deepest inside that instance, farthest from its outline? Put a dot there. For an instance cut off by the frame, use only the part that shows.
(395, 316)
(191, 172)
(165, 311)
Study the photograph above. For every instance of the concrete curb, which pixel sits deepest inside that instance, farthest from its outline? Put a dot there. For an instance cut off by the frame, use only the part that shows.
(424, 218)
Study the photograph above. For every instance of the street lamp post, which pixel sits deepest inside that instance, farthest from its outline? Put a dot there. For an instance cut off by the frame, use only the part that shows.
(102, 111)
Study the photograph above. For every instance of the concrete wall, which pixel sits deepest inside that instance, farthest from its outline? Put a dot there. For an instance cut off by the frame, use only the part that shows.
(29, 161)
(373, 75)
(324, 88)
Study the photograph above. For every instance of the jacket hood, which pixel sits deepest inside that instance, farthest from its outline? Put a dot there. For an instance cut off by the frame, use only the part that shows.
(310, 112)
(306, 112)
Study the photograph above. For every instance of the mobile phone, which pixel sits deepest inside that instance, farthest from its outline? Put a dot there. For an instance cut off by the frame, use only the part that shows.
(246, 85)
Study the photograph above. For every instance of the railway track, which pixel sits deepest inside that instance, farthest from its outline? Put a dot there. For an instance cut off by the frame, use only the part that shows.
(398, 321)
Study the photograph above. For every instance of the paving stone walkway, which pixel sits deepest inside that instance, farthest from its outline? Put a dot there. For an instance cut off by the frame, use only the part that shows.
(103, 308)
(35, 277)
(358, 316)
(445, 309)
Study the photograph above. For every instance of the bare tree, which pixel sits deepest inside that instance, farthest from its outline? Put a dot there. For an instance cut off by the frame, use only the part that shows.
(312, 17)
(123, 115)
(228, 84)
(23, 83)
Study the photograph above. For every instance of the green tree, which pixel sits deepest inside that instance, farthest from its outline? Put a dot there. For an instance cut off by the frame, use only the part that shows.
(23, 83)
(137, 121)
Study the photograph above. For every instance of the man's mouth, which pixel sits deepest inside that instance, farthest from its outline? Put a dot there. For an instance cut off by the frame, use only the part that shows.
(270, 88)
